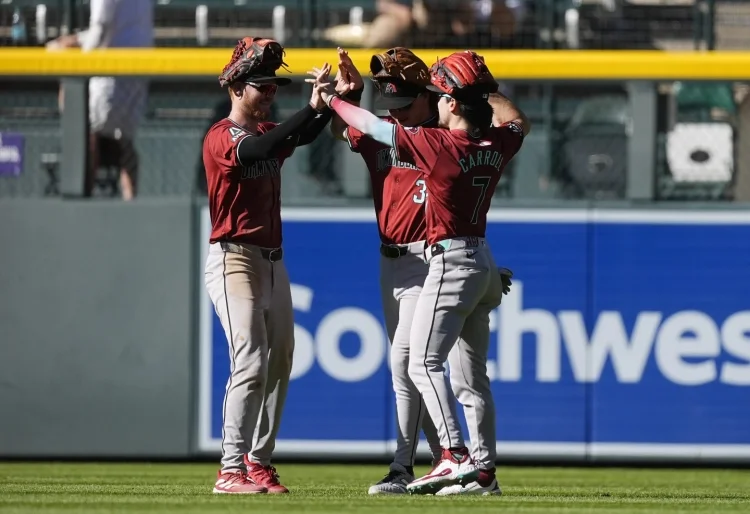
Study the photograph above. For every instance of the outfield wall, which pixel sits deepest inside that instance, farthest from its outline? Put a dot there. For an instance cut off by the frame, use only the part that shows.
(96, 328)
(626, 334)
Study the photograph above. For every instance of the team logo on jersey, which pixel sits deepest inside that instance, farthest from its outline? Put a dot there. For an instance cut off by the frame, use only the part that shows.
(259, 169)
(514, 127)
(236, 133)
(412, 130)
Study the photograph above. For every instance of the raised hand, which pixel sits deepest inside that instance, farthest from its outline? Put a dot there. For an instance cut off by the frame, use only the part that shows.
(348, 77)
(320, 83)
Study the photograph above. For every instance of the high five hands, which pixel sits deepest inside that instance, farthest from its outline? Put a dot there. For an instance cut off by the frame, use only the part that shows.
(347, 79)
(323, 90)
(320, 84)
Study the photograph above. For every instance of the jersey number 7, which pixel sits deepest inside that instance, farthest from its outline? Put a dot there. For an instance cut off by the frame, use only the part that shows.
(484, 184)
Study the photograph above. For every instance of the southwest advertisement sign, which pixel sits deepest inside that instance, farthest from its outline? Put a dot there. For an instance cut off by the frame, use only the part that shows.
(626, 335)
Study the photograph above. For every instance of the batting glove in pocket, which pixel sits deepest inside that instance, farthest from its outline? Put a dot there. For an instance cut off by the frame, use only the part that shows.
(505, 275)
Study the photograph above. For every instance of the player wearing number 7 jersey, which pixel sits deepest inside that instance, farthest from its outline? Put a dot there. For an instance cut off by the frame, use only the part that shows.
(399, 193)
(462, 162)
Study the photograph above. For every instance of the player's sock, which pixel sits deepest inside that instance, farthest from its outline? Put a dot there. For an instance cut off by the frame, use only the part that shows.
(486, 476)
(409, 469)
(459, 452)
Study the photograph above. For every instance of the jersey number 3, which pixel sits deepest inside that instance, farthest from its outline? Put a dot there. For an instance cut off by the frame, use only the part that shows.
(422, 192)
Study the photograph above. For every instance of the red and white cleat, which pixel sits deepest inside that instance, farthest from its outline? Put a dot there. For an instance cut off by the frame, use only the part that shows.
(236, 482)
(485, 485)
(265, 476)
(456, 467)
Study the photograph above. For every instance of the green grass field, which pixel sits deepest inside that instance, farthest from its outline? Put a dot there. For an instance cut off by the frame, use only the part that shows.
(183, 488)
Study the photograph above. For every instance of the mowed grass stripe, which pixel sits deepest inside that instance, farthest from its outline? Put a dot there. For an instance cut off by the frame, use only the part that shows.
(134, 487)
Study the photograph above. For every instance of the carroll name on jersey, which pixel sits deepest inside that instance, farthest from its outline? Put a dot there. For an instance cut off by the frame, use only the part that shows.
(267, 168)
(481, 158)
(386, 158)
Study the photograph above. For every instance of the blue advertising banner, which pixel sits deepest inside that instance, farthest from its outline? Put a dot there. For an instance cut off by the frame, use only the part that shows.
(11, 153)
(626, 334)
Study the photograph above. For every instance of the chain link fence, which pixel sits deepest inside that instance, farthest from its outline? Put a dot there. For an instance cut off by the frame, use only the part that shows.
(578, 149)
(168, 142)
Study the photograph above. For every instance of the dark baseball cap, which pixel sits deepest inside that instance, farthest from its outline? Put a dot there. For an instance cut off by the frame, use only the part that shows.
(265, 76)
(395, 94)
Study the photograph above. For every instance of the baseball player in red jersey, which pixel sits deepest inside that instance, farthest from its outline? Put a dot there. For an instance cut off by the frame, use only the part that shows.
(244, 275)
(462, 162)
(399, 194)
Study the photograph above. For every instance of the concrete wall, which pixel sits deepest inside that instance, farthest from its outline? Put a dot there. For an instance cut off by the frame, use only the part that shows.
(96, 321)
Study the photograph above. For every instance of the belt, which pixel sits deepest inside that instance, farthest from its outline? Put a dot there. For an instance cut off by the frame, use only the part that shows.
(446, 244)
(271, 254)
(393, 251)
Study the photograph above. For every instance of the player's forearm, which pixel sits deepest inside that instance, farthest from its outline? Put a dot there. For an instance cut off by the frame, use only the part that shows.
(338, 126)
(364, 121)
(313, 129)
(263, 147)
(505, 111)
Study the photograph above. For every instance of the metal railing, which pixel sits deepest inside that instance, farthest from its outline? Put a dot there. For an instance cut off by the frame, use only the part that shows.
(571, 24)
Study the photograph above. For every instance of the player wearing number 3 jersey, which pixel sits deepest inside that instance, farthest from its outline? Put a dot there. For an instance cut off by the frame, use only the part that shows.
(399, 193)
(462, 162)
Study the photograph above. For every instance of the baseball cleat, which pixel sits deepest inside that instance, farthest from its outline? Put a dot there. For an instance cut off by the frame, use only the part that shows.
(236, 482)
(265, 476)
(456, 467)
(394, 482)
(485, 485)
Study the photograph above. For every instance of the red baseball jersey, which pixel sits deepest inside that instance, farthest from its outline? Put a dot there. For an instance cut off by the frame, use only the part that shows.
(398, 188)
(244, 198)
(461, 173)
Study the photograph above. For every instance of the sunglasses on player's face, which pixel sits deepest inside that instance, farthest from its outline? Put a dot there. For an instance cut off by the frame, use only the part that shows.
(266, 89)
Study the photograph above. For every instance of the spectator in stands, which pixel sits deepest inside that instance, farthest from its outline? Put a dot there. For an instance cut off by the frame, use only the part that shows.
(435, 24)
(116, 104)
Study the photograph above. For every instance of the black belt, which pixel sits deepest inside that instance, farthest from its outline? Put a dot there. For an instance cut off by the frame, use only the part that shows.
(393, 251)
(271, 254)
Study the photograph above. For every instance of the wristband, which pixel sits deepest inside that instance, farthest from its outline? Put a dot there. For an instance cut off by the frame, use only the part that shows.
(329, 102)
(355, 94)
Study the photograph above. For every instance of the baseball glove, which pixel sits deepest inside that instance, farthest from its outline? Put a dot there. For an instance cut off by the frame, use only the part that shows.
(256, 56)
(462, 73)
(400, 63)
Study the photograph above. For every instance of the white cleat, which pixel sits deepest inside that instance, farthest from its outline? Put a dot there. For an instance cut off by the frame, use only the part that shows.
(455, 468)
(492, 489)
(394, 482)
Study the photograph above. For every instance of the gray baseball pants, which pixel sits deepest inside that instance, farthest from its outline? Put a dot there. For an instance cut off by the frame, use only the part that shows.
(401, 281)
(253, 300)
(451, 323)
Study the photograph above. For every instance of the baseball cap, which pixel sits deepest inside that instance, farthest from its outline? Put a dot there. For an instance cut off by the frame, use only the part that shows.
(395, 94)
(266, 76)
